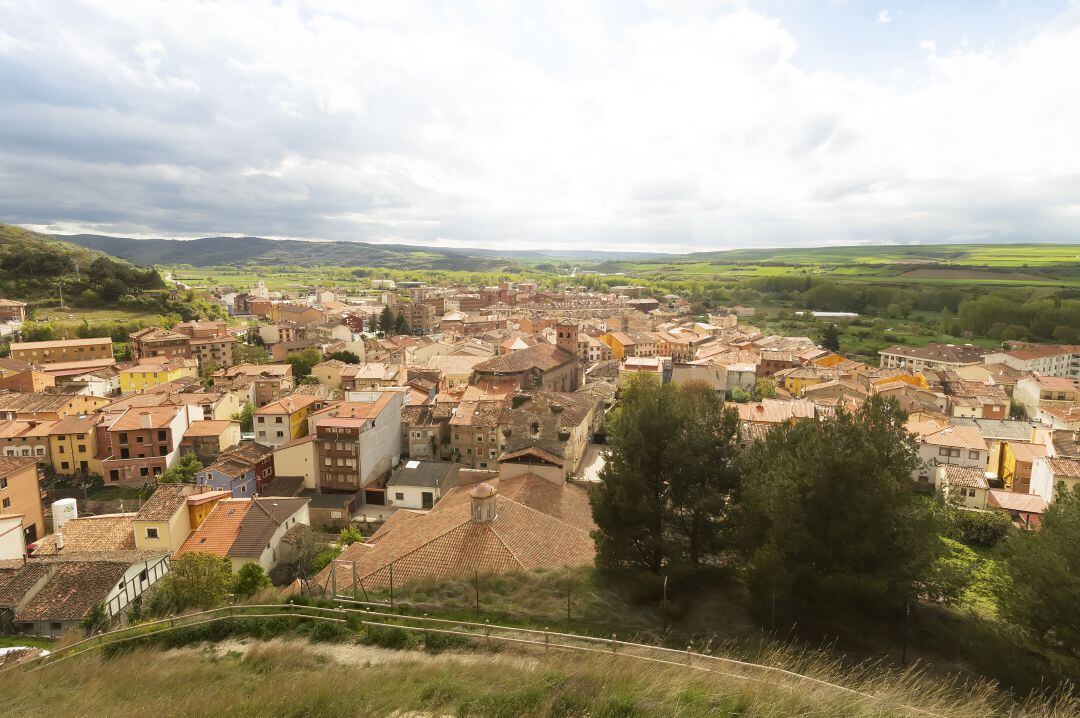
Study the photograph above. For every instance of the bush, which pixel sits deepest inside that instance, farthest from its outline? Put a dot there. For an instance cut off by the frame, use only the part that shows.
(250, 579)
(390, 638)
(980, 528)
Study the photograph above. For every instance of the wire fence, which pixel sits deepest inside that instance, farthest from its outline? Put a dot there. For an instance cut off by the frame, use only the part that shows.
(485, 634)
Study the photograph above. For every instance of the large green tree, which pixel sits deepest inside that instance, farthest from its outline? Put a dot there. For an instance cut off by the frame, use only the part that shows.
(834, 525)
(664, 495)
(1044, 567)
(703, 481)
(630, 503)
(183, 472)
(195, 580)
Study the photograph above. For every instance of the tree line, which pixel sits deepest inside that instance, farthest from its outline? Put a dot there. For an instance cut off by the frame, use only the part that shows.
(817, 519)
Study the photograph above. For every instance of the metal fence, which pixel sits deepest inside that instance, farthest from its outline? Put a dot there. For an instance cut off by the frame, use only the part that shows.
(478, 633)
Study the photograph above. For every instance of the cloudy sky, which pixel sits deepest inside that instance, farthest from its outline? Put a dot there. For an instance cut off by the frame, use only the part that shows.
(674, 125)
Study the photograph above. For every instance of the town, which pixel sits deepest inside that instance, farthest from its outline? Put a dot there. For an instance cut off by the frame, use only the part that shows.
(457, 429)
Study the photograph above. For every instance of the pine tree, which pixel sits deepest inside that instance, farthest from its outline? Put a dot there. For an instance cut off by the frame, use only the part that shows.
(830, 338)
(386, 321)
(401, 324)
(835, 526)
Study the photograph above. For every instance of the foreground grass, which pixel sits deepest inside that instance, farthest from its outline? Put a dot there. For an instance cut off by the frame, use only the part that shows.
(345, 679)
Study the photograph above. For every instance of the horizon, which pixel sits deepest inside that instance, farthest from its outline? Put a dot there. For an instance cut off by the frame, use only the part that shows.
(646, 127)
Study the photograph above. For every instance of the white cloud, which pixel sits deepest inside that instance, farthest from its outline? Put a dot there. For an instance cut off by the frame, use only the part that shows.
(884, 17)
(553, 125)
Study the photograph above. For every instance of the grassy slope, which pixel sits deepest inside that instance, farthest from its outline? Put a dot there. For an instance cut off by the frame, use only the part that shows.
(291, 678)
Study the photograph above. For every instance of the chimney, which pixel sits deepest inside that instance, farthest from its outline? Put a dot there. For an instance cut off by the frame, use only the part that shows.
(519, 400)
(483, 499)
(145, 419)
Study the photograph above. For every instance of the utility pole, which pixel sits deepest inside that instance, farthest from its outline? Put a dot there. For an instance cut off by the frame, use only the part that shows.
(477, 592)
(567, 598)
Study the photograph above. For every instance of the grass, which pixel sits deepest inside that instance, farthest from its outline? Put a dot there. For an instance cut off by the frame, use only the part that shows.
(32, 641)
(115, 493)
(294, 678)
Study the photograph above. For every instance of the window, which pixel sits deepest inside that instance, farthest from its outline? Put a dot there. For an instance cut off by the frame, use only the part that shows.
(399, 497)
(123, 438)
(162, 436)
(143, 471)
(143, 577)
(243, 489)
(7, 503)
(64, 465)
(280, 434)
(973, 454)
(261, 419)
(277, 419)
(80, 447)
(151, 533)
(61, 449)
(3, 483)
(138, 439)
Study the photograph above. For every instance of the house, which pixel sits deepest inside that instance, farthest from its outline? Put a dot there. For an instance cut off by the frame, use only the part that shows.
(328, 373)
(1051, 475)
(141, 444)
(29, 381)
(543, 366)
(357, 442)
(148, 374)
(775, 411)
(957, 445)
(332, 511)
(372, 375)
(158, 343)
(279, 422)
(27, 439)
(1044, 359)
(620, 344)
(966, 485)
(62, 350)
(297, 459)
(420, 484)
(475, 437)
(12, 311)
(41, 407)
(163, 523)
(20, 495)
(634, 366)
(1017, 462)
(242, 470)
(1036, 392)
(248, 530)
(932, 356)
(73, 445)
(560, 425)
(48, 596)
(455, 370)
(210, 343)
(208, 438)
(1025, 510)
(499, 525)
(996, 433)
(425, 430)
(268, 380)
(90, 534)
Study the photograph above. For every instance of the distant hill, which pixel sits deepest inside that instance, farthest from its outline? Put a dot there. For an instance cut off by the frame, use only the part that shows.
(215, 251)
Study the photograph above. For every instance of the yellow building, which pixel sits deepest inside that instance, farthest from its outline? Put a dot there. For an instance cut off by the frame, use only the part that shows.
(73, 445)
(163, 522)
(144, 376)
(916, 380)
(621, 344)
(200, 505)
(281, 421)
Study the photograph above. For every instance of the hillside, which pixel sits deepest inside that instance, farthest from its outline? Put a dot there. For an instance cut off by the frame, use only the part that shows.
(220, 251)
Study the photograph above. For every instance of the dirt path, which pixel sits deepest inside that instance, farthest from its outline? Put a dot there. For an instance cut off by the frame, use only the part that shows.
(358, 654)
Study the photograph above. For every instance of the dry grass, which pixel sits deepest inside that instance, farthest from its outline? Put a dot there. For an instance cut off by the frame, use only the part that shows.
(299, 679)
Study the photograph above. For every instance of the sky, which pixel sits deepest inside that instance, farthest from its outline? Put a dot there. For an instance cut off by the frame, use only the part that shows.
(642, 125)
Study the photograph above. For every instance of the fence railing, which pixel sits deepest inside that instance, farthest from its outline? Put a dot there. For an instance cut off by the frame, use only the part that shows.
(481, 633)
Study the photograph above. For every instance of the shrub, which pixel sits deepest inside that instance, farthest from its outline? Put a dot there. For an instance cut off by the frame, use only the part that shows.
(980, 528)
(250, 579)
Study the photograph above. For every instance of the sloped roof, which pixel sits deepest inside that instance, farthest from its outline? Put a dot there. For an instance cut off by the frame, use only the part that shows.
(539, 523)
(543, 357)
(965, 437)
(969, 477)
(74, 588)
(110, 532)
(218, 531)
(164, 502)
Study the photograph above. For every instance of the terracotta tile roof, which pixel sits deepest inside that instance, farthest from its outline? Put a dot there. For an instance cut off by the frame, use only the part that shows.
(10, 464)
(83, 424)
(540, 523)
(56, 344)
(357, 409)
(209, 427)
(1027, 503)
(248, 452)
(161, 417)
(22, 428)
(965, 437)
(1026, 451)
(284, 486)
(22, 402)
(72, 590)
(109, 532)
(543, 357)
(969, 477)
(288, 405)
(219, 530)
(163, 504)
(775, 411)
(1065, 468)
